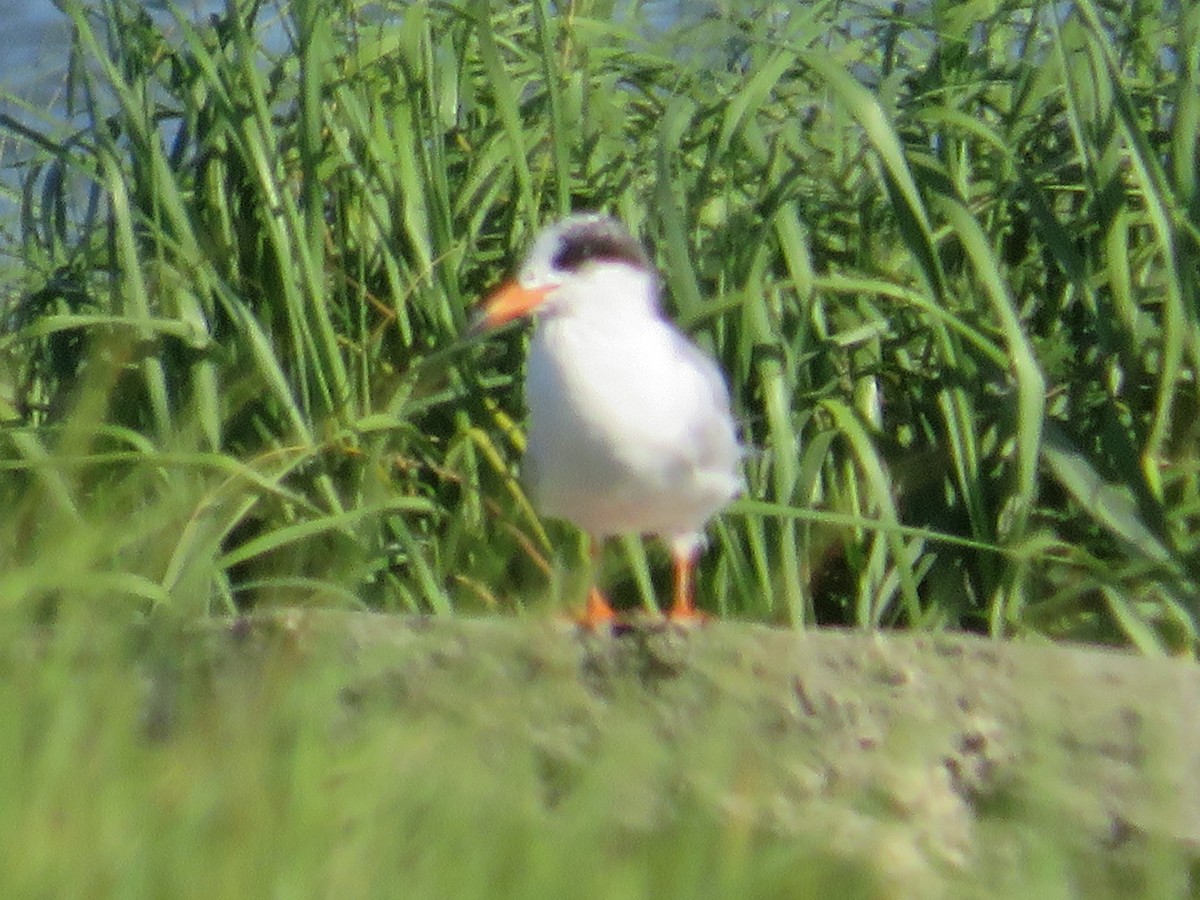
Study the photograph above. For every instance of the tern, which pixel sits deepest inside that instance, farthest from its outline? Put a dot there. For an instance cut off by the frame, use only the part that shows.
(630, 428)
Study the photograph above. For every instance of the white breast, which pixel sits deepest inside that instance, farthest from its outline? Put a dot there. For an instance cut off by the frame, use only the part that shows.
(629, 428)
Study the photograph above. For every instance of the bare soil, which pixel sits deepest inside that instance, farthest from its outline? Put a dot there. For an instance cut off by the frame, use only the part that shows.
(946, 762)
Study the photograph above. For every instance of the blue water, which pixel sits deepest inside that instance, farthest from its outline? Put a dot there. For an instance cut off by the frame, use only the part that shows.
(34, 42)
(33, 46)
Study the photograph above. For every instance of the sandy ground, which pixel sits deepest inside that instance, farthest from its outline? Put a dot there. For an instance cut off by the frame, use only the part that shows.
(946, 761)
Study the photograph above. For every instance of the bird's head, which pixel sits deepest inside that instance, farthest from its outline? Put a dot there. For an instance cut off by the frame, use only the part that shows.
(584, 259)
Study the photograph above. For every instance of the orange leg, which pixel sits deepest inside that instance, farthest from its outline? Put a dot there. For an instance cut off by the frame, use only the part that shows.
(598, 613)
(683, 609)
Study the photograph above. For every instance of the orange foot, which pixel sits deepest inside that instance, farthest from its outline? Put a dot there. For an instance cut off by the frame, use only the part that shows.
(598, 613)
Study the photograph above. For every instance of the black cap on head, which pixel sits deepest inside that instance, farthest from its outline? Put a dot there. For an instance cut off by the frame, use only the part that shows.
(598, 240)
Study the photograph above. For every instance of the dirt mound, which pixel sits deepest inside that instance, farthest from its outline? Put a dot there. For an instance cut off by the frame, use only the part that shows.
(942, 759)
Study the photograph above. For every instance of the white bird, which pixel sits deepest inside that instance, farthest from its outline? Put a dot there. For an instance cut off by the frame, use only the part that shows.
(630, 429)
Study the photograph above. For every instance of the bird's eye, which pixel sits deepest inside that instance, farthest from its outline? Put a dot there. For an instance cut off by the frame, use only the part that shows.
(577, 250)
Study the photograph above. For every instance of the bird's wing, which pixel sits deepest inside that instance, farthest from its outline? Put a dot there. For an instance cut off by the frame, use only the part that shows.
(715, 434)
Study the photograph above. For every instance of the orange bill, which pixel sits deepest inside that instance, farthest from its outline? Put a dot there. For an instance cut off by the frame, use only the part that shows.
(511, 300)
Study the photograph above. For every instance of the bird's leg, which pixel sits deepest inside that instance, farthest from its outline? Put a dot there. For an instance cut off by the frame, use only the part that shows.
(598, 612)
(683, 608)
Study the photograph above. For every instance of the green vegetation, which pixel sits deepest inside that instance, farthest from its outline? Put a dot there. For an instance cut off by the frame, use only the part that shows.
(946, 261)
(946, 252)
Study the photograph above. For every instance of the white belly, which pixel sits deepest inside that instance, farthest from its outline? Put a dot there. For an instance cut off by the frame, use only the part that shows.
(627, 432)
